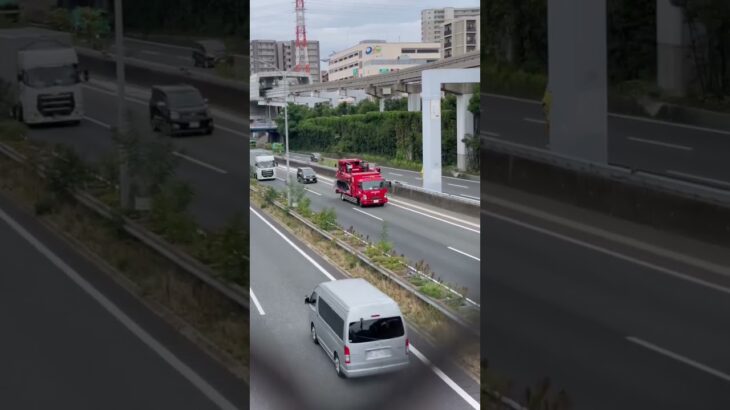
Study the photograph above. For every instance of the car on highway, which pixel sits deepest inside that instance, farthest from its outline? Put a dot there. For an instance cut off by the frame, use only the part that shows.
(208, 53)
(179, 109)
(360, 328)
(306, 175)
(315, 157)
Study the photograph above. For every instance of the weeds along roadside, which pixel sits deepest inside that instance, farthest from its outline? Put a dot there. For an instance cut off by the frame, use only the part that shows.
(211, 320)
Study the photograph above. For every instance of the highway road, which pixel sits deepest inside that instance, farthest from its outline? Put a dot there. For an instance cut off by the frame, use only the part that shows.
(465, 188)
(616, 325)
(681, 151)
(283, 271)
(448, 242)
(161, 53)
(73, 339)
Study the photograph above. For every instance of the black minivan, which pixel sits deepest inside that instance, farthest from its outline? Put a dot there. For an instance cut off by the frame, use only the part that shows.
(208, 53)
(179, 109)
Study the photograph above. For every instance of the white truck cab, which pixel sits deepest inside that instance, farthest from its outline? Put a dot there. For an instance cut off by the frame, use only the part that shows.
(265, 167)
(42, 68)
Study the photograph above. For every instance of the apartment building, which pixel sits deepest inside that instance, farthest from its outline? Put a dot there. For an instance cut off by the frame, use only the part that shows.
(266, 54)
(432, 21)
(460, 36)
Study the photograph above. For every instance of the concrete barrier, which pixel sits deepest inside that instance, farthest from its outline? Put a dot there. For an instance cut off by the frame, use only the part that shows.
(616, 195)
(446, 201)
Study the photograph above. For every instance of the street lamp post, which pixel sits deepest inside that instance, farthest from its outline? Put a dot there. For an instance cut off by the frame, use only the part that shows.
(286, 128)
(121, 109)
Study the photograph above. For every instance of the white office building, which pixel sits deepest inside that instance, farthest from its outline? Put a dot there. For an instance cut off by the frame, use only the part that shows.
(373, 57)
(432, 21)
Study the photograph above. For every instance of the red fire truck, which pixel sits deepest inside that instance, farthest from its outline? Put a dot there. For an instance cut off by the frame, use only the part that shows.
(360, 183)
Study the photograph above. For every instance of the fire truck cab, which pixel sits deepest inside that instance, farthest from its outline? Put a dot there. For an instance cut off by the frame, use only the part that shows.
(360, 183)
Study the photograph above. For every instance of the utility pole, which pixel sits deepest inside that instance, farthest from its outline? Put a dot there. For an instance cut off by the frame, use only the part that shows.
(124, 194)
(286, 136)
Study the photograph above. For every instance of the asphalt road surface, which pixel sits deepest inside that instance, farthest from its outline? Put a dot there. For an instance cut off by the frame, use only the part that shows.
(167, 54)
(617, 326)
(281, 276)
(695, 154)
(72, 339)
(455, 186)
(448, 242)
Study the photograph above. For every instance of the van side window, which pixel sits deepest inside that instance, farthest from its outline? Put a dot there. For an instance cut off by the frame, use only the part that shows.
(333, 320)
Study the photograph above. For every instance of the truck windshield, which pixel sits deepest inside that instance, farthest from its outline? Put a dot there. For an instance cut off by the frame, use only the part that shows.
(364, 331)
(265, 164)
(40, 77)
(371, 185)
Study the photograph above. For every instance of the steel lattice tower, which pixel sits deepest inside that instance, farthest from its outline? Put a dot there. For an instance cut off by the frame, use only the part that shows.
(302, 53)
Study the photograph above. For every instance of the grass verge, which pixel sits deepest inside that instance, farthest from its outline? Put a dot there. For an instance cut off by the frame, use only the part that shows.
(423, 316)
(210, 320)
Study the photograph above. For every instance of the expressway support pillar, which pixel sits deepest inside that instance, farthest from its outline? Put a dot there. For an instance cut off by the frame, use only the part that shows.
(431, 82)
(381, 101)
(464, 125)
(577, 54)
(414, 102)
(672, 41)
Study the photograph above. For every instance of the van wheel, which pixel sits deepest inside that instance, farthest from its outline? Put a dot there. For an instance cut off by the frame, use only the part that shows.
(338, 367)
(314, 335)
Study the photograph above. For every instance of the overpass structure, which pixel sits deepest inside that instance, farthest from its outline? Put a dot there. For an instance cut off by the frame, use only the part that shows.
(454, 75)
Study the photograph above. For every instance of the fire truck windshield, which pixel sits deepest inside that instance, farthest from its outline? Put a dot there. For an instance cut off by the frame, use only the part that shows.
(371, 185)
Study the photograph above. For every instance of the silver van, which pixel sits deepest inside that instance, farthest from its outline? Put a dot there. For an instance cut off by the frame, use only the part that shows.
(359, 327)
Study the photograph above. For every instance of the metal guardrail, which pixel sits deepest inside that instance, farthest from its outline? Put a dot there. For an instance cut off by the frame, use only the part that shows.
(165, 249)
(643, 179)
(465, 326)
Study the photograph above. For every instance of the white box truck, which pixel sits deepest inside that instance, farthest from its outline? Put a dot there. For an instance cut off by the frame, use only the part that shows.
(264, 167)
(42, 69)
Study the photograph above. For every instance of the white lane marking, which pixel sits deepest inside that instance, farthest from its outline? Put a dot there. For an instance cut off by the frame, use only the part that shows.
(153, 43)
(670, 124)
(471, 196)
(722, 270)
(97, 122)
(492, 134)
(256, 302)
(507, 97)
(395, 202)
(199, 162)
(535, 120)
(231, 130)
(293, 245)
(624, 116)
(609, 252)
(464, 253)
(209, 391)
(458, 186)
(659, 143)
(446, 379)
(699, 178)
(314, 192)
(393, 173)
(368, 214)
(679, 358)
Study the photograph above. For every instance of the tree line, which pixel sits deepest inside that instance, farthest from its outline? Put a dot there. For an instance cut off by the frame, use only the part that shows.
(514, 35)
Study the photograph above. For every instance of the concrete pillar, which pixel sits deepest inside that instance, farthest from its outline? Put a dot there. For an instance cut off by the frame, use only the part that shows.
(577, 78)
(464, 125)
(382, 104)
(672, 42)
(431, 128)
(414, 102)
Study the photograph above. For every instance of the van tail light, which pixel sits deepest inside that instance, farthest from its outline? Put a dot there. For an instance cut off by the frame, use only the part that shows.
(408, 345)
(347, 355)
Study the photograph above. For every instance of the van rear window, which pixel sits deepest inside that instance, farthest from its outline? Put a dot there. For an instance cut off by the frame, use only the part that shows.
(370, 330)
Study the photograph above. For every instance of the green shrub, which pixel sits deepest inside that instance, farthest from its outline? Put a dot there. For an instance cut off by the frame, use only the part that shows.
(433, 290)
(326, 219)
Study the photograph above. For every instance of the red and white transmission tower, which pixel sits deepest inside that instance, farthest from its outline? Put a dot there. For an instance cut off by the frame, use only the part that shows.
(302, 53)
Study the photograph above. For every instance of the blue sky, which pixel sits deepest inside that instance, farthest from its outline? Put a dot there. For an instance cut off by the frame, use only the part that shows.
(339, 24)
